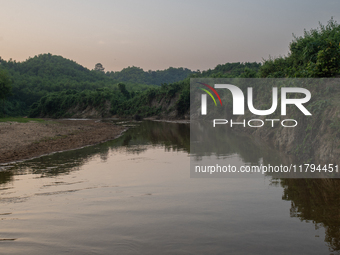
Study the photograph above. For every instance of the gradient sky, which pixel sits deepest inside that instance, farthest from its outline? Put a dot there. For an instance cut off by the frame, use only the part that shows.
(157, 34)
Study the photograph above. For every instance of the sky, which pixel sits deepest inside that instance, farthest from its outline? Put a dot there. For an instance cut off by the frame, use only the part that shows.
(157, 34)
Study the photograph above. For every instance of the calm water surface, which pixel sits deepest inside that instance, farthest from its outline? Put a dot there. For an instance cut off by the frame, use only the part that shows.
(134, 195)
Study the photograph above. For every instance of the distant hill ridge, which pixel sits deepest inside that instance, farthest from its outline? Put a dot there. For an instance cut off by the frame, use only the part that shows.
(57, 67)
(136, 74)
(47, 73)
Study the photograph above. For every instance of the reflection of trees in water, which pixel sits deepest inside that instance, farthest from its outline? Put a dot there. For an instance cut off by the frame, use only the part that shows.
(58, 163)
(315, 200)
(170, 135)
(136, 140)
(318, 201)
(249, 149)
(6, 176)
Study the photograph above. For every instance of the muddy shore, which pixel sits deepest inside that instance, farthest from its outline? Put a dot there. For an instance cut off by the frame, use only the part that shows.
(19, 141)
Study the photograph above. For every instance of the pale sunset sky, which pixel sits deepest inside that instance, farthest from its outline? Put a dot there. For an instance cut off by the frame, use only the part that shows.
(157, 34)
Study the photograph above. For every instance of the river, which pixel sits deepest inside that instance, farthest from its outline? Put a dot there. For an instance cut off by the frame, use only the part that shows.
(134, 195)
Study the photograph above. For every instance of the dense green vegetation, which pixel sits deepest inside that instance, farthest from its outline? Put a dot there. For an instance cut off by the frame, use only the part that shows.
(5, 87)
(57, 104)
(232, 70)
(52, 85)
(315, 54)
(47, 73)
(168, 99)
(49, 85)
(173, 100)
(138, 75)
(43, 74)
(159, 101)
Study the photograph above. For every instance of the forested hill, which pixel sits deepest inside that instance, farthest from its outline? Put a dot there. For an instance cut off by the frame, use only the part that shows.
(138, 75)
(50, 68)
(172, 75)
(168, 100)
(231, 70)
(47, 73)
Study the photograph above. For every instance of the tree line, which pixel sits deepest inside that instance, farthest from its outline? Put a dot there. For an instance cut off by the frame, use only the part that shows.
(36, 77)
(49, 83)
(138, 75)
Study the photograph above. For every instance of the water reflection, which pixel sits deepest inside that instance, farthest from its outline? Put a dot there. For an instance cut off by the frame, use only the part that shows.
(206, 141)
(5, 176)
(312, 200)
(148, 134)
(173, 136)
(137, 139)
(317, 201)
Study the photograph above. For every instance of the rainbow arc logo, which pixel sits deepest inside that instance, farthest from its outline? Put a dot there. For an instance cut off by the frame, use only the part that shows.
(204, 97)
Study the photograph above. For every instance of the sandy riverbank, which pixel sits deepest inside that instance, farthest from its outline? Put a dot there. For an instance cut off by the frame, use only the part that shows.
(20, 141)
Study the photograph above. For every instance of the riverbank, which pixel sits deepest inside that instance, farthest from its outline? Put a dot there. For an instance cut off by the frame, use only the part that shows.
(21, 141)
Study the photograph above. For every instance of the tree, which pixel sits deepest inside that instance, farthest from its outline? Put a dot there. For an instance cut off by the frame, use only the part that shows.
(123, 90)
(315, 54)
(99, 67)
(5, 87)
